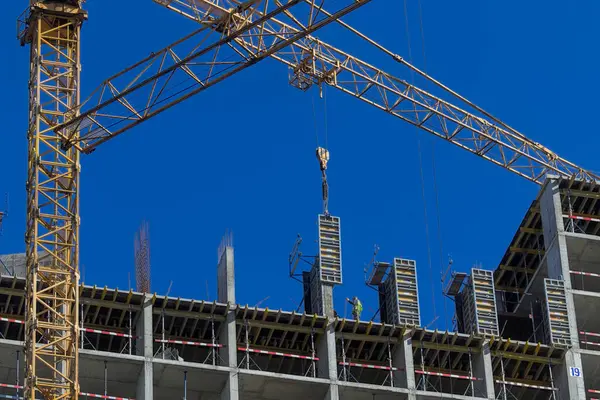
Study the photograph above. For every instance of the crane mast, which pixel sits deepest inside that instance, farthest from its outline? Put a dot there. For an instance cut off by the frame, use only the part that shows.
(52, 31)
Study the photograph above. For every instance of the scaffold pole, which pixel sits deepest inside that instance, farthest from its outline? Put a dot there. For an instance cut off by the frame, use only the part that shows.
(390, 364)
(184, 385)
(130, 332)
(344, 376)
(313, 354)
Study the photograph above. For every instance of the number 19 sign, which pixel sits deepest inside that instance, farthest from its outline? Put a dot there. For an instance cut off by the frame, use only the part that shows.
(574, 371)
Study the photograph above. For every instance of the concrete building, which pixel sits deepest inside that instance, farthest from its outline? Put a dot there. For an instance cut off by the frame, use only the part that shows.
(541, 342)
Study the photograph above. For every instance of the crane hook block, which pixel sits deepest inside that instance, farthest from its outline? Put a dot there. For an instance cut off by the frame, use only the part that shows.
(323, 157)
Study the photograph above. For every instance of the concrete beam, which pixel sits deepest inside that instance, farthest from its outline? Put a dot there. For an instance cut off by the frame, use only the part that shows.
(188, 314)
(280, 327)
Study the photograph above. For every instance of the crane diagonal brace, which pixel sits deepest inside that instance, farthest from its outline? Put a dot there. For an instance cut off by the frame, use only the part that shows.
(467, 126)
(168, 77)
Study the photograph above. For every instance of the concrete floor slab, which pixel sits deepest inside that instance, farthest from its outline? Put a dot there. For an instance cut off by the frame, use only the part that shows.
(259, 385)
(421, 395)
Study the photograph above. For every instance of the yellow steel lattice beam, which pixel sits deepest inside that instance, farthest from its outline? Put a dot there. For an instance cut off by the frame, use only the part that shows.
(313, 61)
(194, 63)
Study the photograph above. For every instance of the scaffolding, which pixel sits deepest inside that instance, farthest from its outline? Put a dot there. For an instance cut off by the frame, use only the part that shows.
(248, 362)
(346, 365)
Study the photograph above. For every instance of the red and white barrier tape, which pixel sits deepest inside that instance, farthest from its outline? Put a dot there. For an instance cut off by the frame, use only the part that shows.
(386, 368)
(107, 332)
(5, 385)
(100, 396)
(276, 353)
(188, 343)
(582, 218)
(470, 378)
(593, 391)
(589, 333)
(16, 321)
(589, 343)
(585, 273)
(525, 385)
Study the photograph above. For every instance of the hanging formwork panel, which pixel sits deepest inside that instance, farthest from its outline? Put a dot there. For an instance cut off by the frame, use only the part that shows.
(316, 291)
(556, 316)
(401, 293)
(479, 304)
(330, 250)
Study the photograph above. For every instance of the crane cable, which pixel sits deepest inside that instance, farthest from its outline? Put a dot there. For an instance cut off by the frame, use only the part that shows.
(434, 172)
(422, 175)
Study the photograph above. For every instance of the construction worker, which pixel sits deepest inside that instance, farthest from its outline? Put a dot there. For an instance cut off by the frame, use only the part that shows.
(356, 307)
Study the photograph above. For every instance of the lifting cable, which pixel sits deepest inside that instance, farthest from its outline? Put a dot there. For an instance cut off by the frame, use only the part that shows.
(421, 171)
(434, 171)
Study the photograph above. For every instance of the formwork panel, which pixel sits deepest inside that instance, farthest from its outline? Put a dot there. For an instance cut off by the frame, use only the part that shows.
(401, 293)
(316, 291)
(556, 316)
(330, 249)
(479, 304)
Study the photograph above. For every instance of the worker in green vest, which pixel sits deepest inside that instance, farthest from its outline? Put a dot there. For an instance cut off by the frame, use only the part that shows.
(356, 307)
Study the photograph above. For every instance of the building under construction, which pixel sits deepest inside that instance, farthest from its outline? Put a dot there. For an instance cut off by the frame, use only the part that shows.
(526, 330)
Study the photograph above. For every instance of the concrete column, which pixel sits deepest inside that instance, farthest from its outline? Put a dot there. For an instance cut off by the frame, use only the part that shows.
(402, 359)
(569, 387)
(144, 347)
(558, 268)
(226, 294)
(482, 369)
(326, 352)
(327, 292)
(327, 364)
(333, 392)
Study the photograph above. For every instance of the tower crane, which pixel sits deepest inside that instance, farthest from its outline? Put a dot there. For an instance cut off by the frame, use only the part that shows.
(232, 36)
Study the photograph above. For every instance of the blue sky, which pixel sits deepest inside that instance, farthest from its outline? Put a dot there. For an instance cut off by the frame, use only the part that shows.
(240, 156)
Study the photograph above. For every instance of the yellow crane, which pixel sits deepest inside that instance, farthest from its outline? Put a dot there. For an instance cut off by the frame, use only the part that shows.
(232, 36)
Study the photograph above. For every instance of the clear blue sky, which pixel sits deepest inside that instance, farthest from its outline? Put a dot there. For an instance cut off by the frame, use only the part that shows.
(240, 156)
